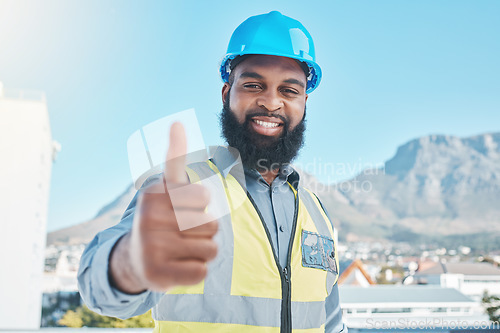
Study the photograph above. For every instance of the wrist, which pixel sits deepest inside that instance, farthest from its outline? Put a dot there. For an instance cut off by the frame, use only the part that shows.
(121, 272)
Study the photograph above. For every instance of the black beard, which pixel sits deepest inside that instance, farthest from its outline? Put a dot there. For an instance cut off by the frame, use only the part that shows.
(257, 151)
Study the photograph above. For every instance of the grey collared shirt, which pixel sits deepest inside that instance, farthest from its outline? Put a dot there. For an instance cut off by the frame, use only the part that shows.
(276, 203)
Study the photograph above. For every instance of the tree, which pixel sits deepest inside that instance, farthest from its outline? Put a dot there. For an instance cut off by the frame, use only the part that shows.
(83, 317)
(71, 319)
(492, 305)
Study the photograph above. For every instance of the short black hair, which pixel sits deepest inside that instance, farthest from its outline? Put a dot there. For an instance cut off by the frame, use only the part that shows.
(239, 59)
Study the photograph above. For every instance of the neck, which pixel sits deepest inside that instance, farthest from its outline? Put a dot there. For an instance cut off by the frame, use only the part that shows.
(269, 175)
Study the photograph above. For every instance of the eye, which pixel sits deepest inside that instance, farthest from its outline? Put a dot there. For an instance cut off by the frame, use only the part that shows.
(289, 91)
(252, 86)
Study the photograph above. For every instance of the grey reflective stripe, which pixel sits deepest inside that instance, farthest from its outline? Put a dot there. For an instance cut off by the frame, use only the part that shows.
(314, 212)
(220, 270)
(331, 278)
(321, 225)
(227, 309)
(308, 314)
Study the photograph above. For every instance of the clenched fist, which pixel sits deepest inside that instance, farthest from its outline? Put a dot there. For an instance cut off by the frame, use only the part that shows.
(156, 254)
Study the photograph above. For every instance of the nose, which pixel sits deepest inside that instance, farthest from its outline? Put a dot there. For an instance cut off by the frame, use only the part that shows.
(270, 101)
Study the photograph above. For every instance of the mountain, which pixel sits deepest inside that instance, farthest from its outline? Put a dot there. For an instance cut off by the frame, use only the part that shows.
(107, 216)
(435, 187)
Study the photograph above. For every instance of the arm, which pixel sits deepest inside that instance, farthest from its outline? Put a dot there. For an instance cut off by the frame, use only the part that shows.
(147, 251)
(93, 276)
(334, 323)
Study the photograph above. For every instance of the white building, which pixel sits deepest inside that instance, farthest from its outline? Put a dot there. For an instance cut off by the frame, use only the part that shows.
(405, 307)
(64, 277)
(471, 279)
(26, 152)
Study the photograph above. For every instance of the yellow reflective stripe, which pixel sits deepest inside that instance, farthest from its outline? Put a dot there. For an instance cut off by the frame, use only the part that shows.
(310, 330)
(194, 327)
(194, 289)
(293, 189)
(212, 166)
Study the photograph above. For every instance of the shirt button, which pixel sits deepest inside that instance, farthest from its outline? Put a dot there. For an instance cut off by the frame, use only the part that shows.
(281, 228)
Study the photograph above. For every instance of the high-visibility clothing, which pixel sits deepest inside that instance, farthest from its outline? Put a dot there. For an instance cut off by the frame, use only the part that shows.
(246, 289)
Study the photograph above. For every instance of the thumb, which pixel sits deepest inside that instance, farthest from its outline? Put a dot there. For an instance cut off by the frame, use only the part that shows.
(175, 165)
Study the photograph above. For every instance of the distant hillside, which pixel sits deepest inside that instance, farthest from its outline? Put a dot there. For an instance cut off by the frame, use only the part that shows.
(108, 216)
(436, 188)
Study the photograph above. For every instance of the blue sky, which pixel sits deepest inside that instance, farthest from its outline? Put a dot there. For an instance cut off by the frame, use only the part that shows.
(392, 71)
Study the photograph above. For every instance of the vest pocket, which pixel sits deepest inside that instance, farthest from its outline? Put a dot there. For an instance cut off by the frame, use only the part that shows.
(318, 251)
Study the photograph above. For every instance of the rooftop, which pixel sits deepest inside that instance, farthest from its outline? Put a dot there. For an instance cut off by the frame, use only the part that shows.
(23, 95)
(400, 294)
(465, 268)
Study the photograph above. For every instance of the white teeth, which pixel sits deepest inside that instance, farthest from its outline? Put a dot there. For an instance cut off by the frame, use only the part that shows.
(266, 124)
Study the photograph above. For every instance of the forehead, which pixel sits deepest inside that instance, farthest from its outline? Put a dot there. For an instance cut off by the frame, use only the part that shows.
(268, 65)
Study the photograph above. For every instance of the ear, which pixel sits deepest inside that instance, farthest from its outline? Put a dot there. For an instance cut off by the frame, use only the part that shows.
(307, 96)
(225, 90)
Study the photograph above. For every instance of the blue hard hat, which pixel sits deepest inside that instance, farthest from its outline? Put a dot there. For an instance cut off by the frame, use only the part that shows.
(273, 34)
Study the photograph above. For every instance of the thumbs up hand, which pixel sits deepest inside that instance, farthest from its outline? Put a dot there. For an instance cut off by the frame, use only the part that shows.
(156, 254)
(175, 165)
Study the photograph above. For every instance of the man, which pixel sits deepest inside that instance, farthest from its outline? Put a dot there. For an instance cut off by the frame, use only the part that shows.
(270, 265)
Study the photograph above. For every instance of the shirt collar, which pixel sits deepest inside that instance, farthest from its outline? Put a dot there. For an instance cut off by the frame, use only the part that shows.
(226, 158)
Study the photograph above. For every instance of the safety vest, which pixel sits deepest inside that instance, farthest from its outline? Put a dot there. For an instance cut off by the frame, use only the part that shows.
(246, 289)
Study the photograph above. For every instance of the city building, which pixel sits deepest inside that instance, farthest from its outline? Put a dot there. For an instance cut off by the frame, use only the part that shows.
(27, 152)
(472, 279)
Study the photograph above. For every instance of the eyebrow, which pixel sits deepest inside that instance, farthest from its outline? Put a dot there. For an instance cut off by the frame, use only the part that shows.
(294, 81)
(254, 75)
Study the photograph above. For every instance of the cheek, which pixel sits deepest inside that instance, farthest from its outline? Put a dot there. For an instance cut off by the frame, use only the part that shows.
(298, 114)
(238, 106)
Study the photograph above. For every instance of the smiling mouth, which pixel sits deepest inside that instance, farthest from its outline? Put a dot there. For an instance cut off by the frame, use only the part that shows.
(268, 126)
(266, 123)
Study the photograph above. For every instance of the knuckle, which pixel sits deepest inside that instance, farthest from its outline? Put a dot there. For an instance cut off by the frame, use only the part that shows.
(156, 218)
(213, 226)
(150, 273)
(200, 271)
(212, 250)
